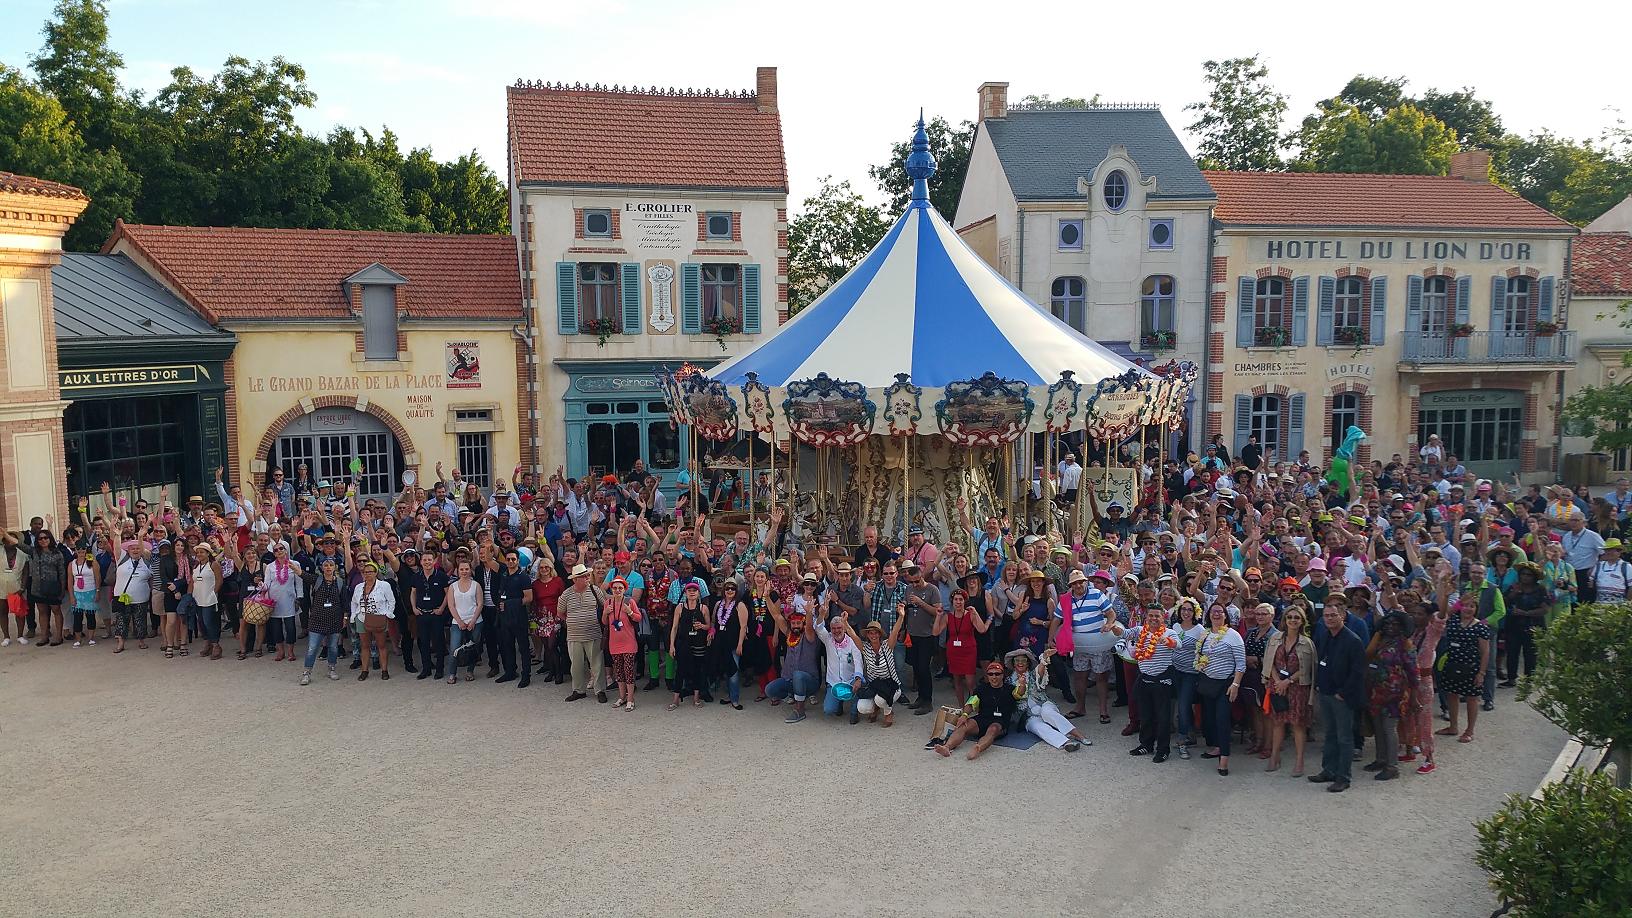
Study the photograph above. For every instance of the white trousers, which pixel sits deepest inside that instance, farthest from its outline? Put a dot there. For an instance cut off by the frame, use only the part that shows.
(1045, 722)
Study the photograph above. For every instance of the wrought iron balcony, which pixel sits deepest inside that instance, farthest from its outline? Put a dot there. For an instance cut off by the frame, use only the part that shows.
(1487, 347)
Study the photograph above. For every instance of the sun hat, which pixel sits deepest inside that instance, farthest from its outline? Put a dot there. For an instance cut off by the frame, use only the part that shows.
(617, 581)
(1317, 564)
(1611, 544)
(690, 585)
(579, 570)
(1008, 658)
(782, 562)
(844, 568)
(1101, 574)
(1037, 574)
(873, 626)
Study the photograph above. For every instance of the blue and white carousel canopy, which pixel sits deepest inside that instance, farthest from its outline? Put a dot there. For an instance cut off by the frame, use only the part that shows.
(924, 320)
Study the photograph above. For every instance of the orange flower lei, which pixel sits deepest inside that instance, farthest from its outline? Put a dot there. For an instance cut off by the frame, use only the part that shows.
(1146, 646)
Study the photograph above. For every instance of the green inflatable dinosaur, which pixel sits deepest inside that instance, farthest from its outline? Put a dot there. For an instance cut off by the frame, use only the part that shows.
(1337, 472)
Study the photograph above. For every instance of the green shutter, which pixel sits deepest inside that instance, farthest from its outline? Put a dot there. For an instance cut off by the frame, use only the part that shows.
(566, 297)
(1245, 288)
(750, 299)
(630, 272)
(691, 299)
(1324, 309)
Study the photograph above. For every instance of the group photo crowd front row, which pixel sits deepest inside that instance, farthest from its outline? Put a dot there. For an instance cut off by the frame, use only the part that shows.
(1242, 609)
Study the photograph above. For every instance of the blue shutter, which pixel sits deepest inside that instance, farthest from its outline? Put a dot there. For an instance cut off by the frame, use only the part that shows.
(1245, 288)
(1498, 315)
(1294, 428)
(566, 297)
(1323, 316)
(1413, 317)
(1379, 311)
(1464, 297)
(1243, 421)
(750, 299)
(1544, 302)
(1300, 311)
(630, 272)
(691, 299)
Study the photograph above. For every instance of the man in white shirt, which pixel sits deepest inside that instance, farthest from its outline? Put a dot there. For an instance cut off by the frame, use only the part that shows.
(509, 517)
(234, 507)
(1582, 547)
(1070, 478)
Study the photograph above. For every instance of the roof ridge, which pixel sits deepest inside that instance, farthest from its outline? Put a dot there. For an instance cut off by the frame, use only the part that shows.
(1410, 175)
(637, 91)
(404, 234)
(1087, 107)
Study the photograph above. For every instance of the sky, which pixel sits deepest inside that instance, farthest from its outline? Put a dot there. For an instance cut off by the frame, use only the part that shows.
(852, 75)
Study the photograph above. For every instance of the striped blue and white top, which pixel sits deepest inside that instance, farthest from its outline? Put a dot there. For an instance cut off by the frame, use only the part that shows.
(1088, 615)
(1226, 653)
(1185, 660)
(1161, 658)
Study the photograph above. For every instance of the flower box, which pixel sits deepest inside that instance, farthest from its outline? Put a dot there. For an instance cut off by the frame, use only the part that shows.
(1351, 334)
(602, 329)
(1157, 341)
(1462, 331)
(1546, 329)
(1271, 336)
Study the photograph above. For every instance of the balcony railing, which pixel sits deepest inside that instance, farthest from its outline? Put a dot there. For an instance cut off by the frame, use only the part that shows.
(1488, 347)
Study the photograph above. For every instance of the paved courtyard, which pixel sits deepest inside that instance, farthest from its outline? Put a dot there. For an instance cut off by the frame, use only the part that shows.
(140, 786)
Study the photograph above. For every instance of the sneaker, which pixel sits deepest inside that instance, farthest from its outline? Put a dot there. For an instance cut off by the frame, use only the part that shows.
(793, 717)
(91, 642)
(1426, 768)
(854, 717)
(1184, 753)
(333, 674)
(6, 642)
(23, 641)
(1487, 707)
(306, 677)
(1159, 758)
(77, 644)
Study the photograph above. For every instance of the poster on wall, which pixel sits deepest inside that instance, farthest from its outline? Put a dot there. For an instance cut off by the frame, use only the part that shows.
(464, 365)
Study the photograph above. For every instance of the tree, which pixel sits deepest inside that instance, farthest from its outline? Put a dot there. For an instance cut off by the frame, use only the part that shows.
(1069, 102)
(79, 68)
(832, 233)
(1606, 409)
(1239, 123)
(1537, 166)
(1404, 141)
(1598, 182)
(951, 149)
(1372, 96)
(1470, 118)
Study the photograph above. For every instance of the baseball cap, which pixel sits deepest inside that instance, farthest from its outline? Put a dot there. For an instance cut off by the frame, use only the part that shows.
(1317, 564)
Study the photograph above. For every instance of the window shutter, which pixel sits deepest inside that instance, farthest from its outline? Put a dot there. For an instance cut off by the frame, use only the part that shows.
(630, 272)
(566, 297)
(750, 299)
(1323, 318)
(1300, 311)
(1498, 313)
(1294, 427)
(1413, 311)
(1245, 288)
(1464, 295)
(1243, 421)
(691, 299)
(1544, 305)
(1379, 310)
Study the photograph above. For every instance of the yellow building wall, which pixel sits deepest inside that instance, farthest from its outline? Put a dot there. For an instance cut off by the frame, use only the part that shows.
(277, 372)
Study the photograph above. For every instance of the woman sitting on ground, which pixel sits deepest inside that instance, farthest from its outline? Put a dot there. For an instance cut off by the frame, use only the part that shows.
(1043, 718)
(987, 714)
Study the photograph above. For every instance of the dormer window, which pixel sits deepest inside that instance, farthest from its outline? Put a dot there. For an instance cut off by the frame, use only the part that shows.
(1116, 190)
(379, 308)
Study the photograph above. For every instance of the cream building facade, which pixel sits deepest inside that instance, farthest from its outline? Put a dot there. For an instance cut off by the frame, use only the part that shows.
(1405, 305)
(1601, 289)
(653, 227)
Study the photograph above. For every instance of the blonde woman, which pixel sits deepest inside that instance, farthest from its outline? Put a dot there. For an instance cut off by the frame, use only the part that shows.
(1289, 676)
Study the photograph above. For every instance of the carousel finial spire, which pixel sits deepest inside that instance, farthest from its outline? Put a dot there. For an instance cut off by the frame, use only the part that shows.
(920, 163)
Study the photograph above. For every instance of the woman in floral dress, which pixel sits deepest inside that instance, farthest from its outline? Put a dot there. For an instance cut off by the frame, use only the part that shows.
(1290, 678)
(1393, 694)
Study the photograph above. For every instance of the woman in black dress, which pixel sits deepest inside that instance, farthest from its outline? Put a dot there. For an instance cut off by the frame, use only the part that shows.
(1461, 673)
(764, 624)
(689, 638)
(730, 630)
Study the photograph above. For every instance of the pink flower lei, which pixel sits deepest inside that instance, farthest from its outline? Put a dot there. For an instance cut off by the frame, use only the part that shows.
(280, 569)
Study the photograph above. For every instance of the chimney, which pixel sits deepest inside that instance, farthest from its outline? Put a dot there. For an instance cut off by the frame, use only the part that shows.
(1471, 166)
(765, 89)
(994, 101)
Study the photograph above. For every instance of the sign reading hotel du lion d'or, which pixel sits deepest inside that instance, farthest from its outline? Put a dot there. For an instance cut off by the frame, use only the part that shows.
(659, 226)
(1397, 250)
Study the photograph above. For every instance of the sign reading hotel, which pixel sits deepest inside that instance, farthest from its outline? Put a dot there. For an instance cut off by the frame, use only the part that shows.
(464, 360)
(658, 226)
(115, 377)
(1396, 250)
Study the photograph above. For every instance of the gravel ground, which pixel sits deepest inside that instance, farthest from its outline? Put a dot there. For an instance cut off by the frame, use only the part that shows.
(146, 787)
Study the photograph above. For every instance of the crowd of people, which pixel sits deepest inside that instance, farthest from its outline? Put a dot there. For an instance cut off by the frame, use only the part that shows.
(1241, 609)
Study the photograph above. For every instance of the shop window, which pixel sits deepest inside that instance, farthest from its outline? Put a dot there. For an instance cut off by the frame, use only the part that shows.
(598, 299)
(597, 223)
(107, 440)
(722, 295)
(1116, 190)
(719, 226)
(1070, 235)
(1068, 300)
(475, 455)
(612, 448)
(1157, 306)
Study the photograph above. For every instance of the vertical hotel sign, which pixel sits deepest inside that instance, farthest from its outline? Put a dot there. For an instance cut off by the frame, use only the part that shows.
(464, 363)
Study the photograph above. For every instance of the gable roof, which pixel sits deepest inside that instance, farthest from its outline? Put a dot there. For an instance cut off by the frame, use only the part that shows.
(251, 273)
(1601, 265)
(97, 297)
(27, 184)
(1044, 151)
(1367, 200)
(632, 138)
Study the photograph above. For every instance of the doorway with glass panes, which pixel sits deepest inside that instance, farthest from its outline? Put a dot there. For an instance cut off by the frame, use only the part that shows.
(333, 443)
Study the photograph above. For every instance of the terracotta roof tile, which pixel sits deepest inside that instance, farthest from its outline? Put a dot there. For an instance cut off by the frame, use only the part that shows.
(604, 137)
(242, 272)
(1601, 265)
(25, 184)
(1355, 199)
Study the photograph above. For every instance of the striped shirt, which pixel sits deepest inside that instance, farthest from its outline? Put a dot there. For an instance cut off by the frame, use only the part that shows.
(581, 612)
(878, 664)
(1226, 653)
(1162, 657)
(1088, 611)
(1185, 659)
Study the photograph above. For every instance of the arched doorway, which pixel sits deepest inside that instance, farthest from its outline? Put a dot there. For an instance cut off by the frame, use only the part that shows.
(332, 441)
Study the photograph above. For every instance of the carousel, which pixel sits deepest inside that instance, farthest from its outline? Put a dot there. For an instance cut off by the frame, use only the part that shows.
(920, 384)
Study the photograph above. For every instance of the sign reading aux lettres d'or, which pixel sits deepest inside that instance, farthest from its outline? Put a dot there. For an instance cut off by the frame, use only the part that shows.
(1397, 250)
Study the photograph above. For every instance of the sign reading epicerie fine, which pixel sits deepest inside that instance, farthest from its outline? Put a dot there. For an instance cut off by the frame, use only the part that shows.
(658, 226)
(1397, 250)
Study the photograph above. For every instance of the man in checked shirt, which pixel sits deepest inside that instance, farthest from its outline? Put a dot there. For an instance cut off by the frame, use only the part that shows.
(889, 600)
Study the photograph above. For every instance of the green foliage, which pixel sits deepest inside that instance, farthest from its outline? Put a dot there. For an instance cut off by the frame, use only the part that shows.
(951, 150)
(1405, 140)
(1069, 102)
(1568, 854)
(1239, 123)
(1584, 672)
(222, 149)
(1605, 410)
(834, 231)
(1470, 118)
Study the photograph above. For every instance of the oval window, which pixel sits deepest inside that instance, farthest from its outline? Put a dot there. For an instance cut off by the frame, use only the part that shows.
(1116, 190)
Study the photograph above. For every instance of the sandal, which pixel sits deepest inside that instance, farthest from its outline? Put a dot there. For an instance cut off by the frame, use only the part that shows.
(259, 654)
(242, 655)
(1465, 738)
(169, 652)
(1445, 731)
(184, 650)
(1073, 715)
(760, 698)
(672, 705)
(696, 702)
(1104, 718)
(118, 650)
(775, 702)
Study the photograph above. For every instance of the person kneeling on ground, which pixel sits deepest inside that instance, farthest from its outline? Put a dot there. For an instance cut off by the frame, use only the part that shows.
(801, 667)
(843, 666)
(883, 688)
(987, 714)
(1043, 719)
